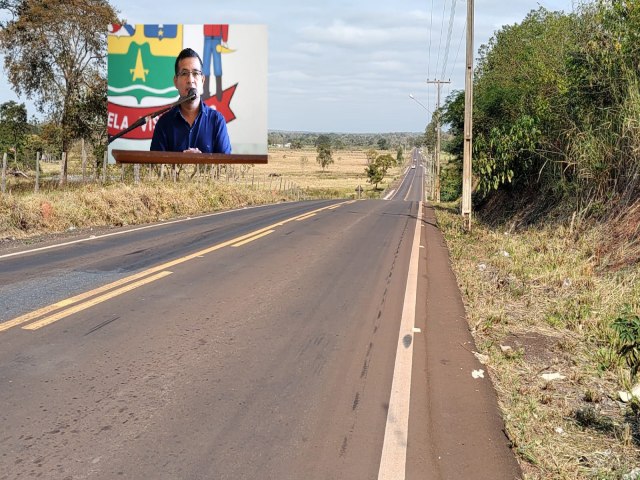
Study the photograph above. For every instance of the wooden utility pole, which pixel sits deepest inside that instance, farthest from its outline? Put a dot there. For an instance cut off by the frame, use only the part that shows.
(468, 122)
(437, 152)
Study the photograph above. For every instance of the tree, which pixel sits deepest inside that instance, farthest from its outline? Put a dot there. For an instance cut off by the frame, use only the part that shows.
(32, 145)
(55, 51)
(385, 162)
(13, 125)
(374, 174)
(11, 6)
(324, 157)
(371, 156)
(430, 134)
(51, 134)
(323, 141)
(399, 156)
(323, 146)
(383, 143)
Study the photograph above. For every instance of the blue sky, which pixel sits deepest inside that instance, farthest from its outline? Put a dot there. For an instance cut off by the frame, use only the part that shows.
(347, 66)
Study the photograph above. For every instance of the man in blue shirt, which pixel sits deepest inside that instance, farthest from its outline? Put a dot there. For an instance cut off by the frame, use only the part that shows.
(192, 126)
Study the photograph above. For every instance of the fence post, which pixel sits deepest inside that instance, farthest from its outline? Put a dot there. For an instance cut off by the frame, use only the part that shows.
(84, 162)
(4, 172)
(37, 188)
(96, 170)
(104, 166)
(63, 167)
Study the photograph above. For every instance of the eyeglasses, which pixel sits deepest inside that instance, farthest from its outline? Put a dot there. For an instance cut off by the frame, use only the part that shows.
(186, 73)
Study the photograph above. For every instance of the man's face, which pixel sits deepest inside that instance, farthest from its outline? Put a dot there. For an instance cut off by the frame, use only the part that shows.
(189, 76)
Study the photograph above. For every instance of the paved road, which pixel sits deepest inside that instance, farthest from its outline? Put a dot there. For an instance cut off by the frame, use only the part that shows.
(261, 343)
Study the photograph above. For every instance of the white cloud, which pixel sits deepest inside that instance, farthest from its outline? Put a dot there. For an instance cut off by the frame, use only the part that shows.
(344, 35)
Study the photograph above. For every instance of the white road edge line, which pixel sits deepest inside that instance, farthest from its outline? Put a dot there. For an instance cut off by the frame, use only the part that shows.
(394, 449)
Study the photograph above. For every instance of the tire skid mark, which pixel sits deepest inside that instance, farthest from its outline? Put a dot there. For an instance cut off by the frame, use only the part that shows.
(361, 388)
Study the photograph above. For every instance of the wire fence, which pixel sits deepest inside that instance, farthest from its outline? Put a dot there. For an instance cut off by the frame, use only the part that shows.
(53, 172)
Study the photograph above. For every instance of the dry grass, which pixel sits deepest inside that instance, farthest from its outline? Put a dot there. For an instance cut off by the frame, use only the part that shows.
(539, 291)
(93, 205)
(342, 177)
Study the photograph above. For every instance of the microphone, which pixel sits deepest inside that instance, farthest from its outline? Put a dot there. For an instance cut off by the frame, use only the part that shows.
(191, 94)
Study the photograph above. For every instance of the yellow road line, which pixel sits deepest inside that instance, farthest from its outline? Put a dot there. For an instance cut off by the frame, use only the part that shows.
(94, 301)
(78, 298)
(263, 234)
(305, 217)
(68, 301)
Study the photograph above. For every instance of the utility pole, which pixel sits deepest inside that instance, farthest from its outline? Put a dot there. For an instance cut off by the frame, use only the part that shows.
(468, 122)
(437, 152)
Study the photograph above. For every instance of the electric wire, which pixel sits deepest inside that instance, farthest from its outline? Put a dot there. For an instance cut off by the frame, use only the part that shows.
(448, 44)
(462, 35)
(444, 9)
(429, 51)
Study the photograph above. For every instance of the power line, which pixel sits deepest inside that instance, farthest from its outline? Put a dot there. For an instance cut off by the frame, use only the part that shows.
(446, 49)
(444, 9)
(464, 29)
(429, 51)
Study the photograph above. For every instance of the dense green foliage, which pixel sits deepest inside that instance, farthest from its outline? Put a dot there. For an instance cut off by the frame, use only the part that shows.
(13, 126)
(557, 106)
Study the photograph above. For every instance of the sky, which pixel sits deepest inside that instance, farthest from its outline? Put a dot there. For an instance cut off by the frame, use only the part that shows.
(347, 66)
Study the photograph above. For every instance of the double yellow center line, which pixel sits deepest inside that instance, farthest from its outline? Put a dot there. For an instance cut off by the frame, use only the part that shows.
(69, 306)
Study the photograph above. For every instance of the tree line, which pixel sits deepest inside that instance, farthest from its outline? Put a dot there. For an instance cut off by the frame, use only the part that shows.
(557, 108)
(344, 141)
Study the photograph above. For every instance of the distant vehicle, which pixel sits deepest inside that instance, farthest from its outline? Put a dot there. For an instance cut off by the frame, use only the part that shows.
(413, 166)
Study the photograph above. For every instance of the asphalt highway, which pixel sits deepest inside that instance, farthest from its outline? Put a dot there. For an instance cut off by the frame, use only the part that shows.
(264, 343)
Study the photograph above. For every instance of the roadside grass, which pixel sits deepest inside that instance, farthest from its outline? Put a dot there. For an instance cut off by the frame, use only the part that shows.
(77, 205)
(538, 302)
(92, 205)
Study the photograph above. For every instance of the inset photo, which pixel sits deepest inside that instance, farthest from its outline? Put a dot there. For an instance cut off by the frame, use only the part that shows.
(210, 78)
